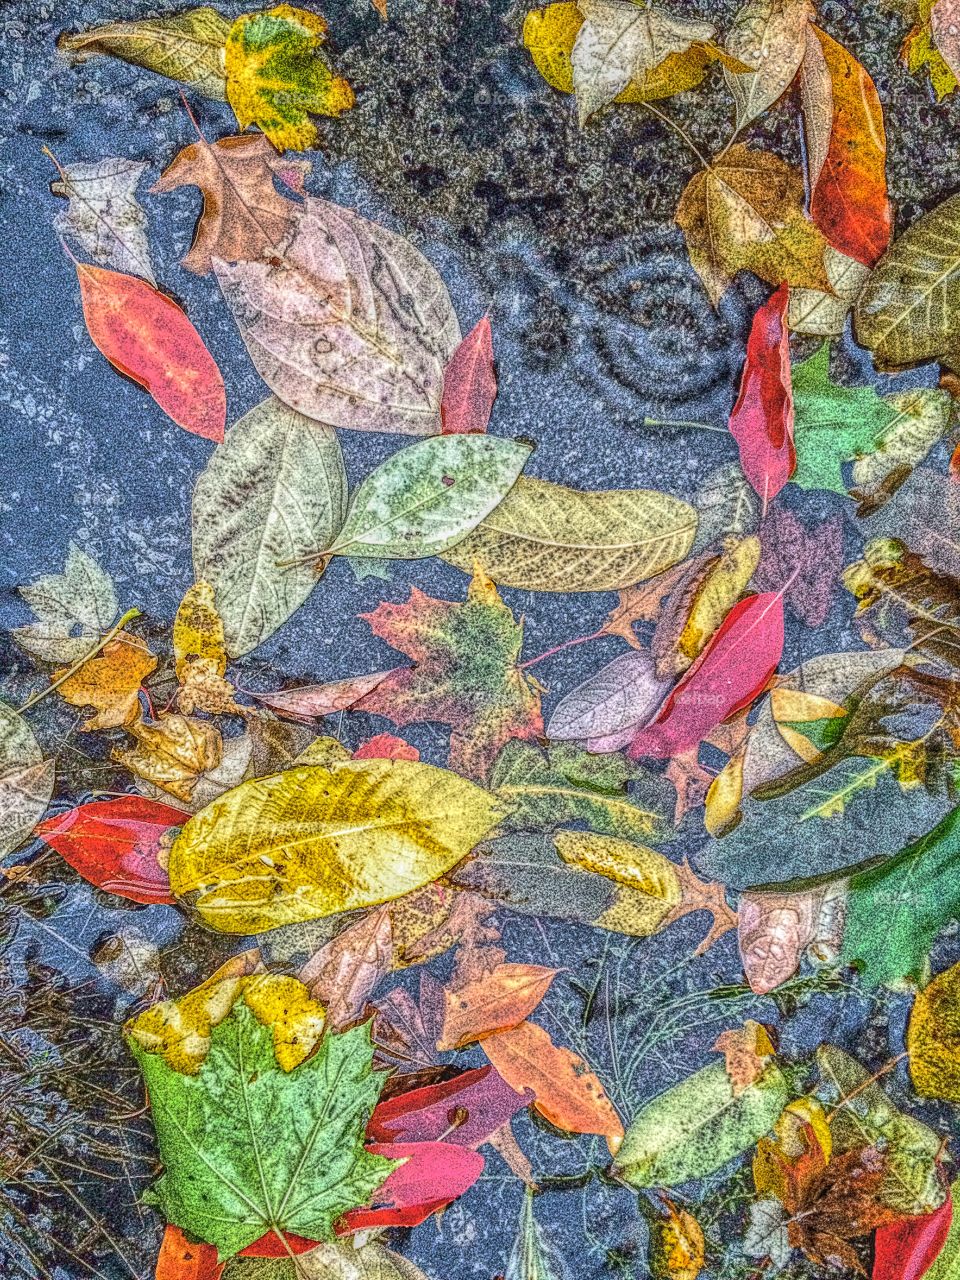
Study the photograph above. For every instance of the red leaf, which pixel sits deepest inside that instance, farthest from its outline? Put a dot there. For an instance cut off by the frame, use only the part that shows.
(469, 384)
(114, 844)
(145, 335)
(386, 746)
(314, 700)
(178, 1259)
(762, 418)
(464, 1111)
(906, 1250)
(434, 1174)
(272, 1245)
(728, 675)
(849, 203)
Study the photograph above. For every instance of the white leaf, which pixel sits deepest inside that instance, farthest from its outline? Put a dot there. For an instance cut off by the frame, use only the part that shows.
(73, 608)
(769, 35)
(618, 698)
(104, 217)
(26, 780)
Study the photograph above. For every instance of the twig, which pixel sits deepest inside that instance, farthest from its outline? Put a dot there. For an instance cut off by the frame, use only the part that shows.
(72, 671)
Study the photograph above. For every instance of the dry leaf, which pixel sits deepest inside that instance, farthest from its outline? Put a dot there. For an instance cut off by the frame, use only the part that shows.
(747, 1050)
(495, 1001)
(110, 683)
(173, 752)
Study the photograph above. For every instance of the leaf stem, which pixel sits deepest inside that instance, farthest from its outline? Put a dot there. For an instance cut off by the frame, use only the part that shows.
(71, 671)
(595, 635)
(683, 422)
(680, 131)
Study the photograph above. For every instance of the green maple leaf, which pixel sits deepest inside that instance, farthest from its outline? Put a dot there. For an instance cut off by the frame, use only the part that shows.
(832, 424)
(248, 1148)
(466, 673)
(896, 911)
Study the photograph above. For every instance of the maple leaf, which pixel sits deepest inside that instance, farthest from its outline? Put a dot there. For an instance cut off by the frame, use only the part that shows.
(466, 673)
(244, 217)
(173, 752)
(110, 682)
(240, 1104)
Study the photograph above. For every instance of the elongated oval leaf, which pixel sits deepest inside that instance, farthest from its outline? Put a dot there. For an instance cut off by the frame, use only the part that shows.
(274, 491)
(699, 1125)
(908, 309)
(189, 47)
(314, 841)
(622, 695)
(546, 537)
(427, 497)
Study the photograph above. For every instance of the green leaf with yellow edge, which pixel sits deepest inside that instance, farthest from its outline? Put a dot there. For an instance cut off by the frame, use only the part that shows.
(249, 1148)
(549, 35)
(933, 1038)
(187, 47)
(277, 76)
(314, 841)
(179, 1030)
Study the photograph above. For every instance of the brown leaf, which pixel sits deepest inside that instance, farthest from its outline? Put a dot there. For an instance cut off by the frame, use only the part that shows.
(173, 752)
(343, 974)
(566, 1091)
(406, 1030)
(493, 1001)
(701, 895)
(110, 683)
(244, 218)
(507, 1147)
(641, 603)
(691, 781)
(745, 213)
(747, 1051)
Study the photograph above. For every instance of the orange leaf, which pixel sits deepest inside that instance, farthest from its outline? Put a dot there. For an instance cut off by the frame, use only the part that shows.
(110, 682)
(566, 1091)
(180, 1260)
(497, 1001)
(849, 202)
(145, 335)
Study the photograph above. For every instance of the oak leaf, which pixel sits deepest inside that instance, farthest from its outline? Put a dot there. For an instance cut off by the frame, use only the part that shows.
(745, 213)
(466, 673)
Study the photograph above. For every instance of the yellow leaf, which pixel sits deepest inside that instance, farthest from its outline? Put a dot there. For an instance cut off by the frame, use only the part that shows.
(323, 750)
(198, 631)
(173, 752)
(717, 594)
(314, 841)
(110, 683)
(650, 886)
(723, 797)
(676, 1245)
(179, 1030)
(277, 76)
(933, 1038)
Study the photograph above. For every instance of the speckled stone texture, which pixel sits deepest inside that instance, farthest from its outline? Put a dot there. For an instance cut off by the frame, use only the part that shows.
(567, 240)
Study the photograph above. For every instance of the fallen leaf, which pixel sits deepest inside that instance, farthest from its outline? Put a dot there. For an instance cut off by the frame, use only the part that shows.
(945, 30)
(728, 675)
(769, 35)
(702, 895)
(244, 217)
(469, 383)
(546, 537)
(431, 1175)
(745, 213)
(919, 50)
(386, 746)
(109, 682)
(465, 1111)
(73, 609)
(329, 857)
(496, 1001)
(642, 603)
(188, 47)
(277, 75)
(310, 701)
(566, 1091)
(116, 844)
(923, 415)
(343, 974)
(466, 672)
(620, 42)
(535, 1255)
(747, 1051)
(676, 1245)
(146, 336)
(26, 780)
(181, 1259)
(933, 1033)
(173, 752)
(351, 326)
(774, 930)
(762, 419)
(426, 498)
(103, 216)
(849, 189)
(653, 882)
(804, 562)
(824, 315)
(617, 699)
(274, 491)
(707, 601)
(907, 1249)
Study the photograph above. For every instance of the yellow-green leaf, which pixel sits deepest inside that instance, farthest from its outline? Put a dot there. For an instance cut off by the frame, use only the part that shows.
(650, 880)
(277, 77)
(933, 1038)
(188, 47)
(314, 841)
(546, 537)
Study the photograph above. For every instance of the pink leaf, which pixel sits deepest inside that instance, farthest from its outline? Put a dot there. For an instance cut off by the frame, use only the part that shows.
(434, 1173)
(906, 1250)
(807, 560)
(762, 418)
(469, 384)
(314, 700)
(728, 675)
(464, 1111)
